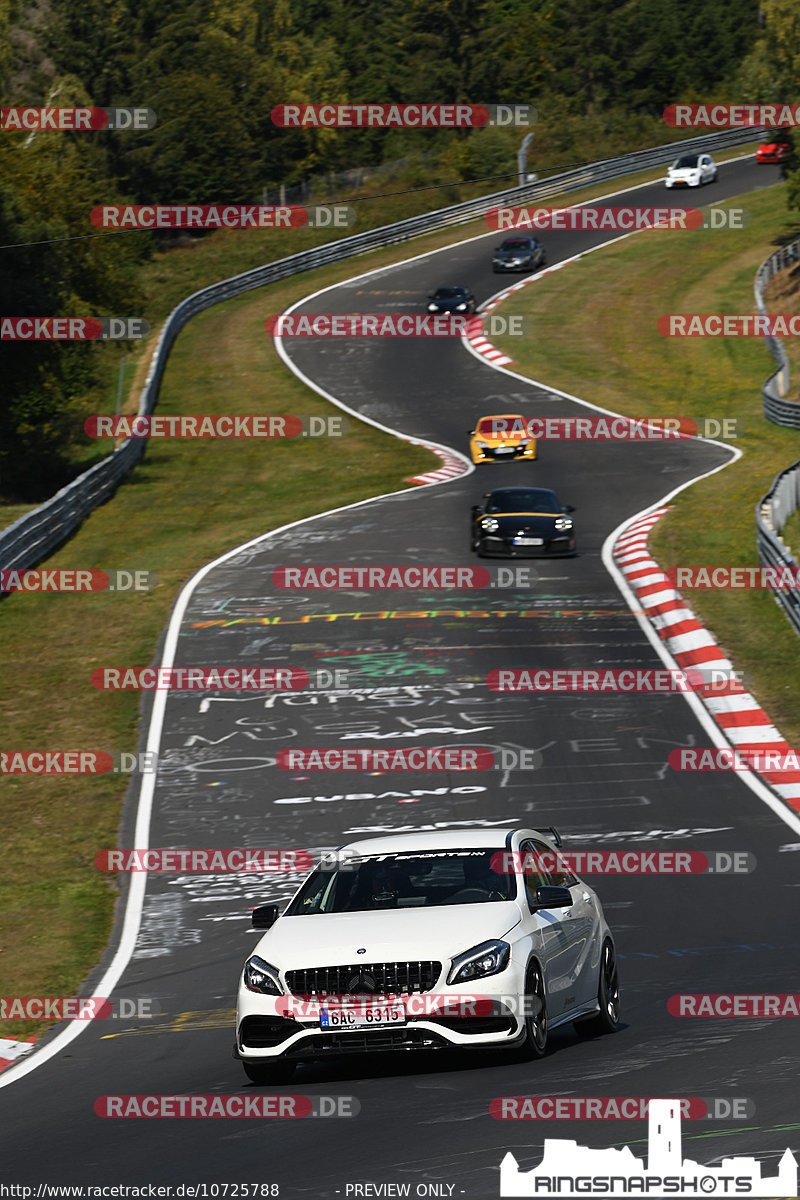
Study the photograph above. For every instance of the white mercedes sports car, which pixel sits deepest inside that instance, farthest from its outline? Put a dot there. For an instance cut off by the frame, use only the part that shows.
(459, 939)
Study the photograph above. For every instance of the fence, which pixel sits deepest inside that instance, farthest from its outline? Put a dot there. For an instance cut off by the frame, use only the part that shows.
(36, 533)
(776, 409)
(772, 511)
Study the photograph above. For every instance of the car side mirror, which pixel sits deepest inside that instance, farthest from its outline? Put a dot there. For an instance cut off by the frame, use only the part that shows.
(569, 508)
(470, 433)
(264, 916)
(553, 897)
(476, 510)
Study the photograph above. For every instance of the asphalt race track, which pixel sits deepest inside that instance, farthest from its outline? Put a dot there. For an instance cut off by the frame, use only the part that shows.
(416, 667)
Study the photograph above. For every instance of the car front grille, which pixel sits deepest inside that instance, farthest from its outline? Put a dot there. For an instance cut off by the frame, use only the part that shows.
(367, 1041)
(358, 979)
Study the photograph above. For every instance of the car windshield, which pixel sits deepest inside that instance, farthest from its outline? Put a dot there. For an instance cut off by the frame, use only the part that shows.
(688, 160)
(501, 426)
(417, 879)
(447, 293)
(522, 500)
(515, 244)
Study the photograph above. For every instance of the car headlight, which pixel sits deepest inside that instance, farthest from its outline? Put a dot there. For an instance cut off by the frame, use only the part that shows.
(563, 523)
(482, 445)
(260, 976)
(433, 308)
(461, 308)
(489, 524)
(487, 959)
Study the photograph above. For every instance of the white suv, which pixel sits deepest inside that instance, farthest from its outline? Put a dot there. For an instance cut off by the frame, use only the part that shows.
(464, 939)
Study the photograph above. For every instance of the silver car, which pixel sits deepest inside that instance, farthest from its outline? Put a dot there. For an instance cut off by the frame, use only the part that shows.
(468, 939)
(692, 170)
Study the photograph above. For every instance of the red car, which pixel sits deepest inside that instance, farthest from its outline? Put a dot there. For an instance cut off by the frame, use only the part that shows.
(776, 150)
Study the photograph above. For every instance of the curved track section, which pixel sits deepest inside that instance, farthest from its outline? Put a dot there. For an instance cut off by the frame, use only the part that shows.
(416, 668)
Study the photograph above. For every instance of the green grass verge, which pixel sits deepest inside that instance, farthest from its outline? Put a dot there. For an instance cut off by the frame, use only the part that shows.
(596, 337)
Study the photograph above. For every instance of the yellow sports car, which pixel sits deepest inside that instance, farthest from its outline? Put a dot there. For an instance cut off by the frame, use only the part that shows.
(501, 438)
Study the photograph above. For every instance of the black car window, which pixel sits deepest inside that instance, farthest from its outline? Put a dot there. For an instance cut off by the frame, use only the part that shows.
(523, 500)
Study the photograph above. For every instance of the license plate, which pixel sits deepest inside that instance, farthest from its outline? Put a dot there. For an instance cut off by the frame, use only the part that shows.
(506, 450)
(523, 541)
(366, 1016)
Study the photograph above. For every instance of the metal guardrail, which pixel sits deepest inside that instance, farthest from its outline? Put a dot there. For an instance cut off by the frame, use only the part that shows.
(38, 532)
(772, 511)
(776, 408)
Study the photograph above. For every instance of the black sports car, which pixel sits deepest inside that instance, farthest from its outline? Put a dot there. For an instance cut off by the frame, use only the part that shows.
(519, 254)
(451, 300)
(522, 522)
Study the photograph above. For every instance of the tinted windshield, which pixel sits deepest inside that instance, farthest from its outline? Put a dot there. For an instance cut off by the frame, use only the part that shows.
(422, 879)
(448, 293)
(515, 244)
(522, 500)
(502, 426)
(688, 160)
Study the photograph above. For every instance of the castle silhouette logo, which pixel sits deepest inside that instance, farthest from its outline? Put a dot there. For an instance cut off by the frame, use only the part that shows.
(568, 1169)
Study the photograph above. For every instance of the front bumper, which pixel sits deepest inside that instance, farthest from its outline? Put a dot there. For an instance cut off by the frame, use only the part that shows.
(263, 1034)
(498, 547)
(493, 455)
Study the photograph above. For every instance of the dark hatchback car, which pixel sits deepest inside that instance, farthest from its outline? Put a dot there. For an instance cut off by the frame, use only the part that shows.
(522, 522)
(451, 300)
(519, 254)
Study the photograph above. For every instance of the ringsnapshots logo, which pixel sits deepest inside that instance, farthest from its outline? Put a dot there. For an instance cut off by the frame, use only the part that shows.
(630, 219)
(223, 216)
(76, 120)
(568, 1169)
(402, 116)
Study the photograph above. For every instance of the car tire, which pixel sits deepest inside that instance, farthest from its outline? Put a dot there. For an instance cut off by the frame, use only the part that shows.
(279, 1070)
(607, 1020)
(535, 1042)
